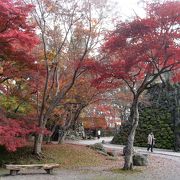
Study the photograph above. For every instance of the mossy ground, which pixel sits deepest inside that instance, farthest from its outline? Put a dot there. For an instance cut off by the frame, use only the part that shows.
(67, 155)
(122, 171)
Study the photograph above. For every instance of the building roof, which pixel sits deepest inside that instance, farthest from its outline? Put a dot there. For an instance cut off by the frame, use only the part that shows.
(94, 122)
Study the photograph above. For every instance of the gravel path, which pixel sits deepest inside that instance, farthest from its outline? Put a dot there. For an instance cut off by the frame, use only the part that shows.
(160, 168)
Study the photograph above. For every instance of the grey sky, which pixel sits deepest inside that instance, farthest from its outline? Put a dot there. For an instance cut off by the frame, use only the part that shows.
(127, 8)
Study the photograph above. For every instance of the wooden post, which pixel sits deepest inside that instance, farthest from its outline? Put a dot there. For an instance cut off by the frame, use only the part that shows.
(14, 172)
(49, 171)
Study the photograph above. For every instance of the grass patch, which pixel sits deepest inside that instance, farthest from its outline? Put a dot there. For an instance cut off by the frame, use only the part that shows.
(68, 156)
(3, 171)
(122, 171)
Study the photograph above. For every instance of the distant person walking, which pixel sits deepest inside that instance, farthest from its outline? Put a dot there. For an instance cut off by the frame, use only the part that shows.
(98, 134)
(151, 141)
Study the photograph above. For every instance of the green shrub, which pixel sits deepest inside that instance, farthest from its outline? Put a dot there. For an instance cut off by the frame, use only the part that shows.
(159, 117)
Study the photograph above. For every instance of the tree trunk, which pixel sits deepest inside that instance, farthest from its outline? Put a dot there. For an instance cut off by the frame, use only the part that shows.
(76, 115)
(49, 138)
(62, 137)
(176, 115)
(38, 144)
(71, 120)
(65, 128)
(129, 149)
(39, 139)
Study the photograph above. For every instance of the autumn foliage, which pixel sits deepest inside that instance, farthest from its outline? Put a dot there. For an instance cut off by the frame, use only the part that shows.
(143, 48)
(138, 53)
(17, 39)
(39, 83)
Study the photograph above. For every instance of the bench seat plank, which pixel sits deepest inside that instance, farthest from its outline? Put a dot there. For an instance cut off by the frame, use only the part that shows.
(15, 168)
(31, 165)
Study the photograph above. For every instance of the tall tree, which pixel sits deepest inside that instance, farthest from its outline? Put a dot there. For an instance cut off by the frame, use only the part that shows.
(138, 53)
(69, 31)
(17, 39)
(81, 96)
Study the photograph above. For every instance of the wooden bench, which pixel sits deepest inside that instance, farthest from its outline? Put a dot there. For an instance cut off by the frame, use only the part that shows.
(14, 169)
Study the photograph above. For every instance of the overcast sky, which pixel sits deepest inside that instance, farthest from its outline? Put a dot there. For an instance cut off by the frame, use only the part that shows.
(127, 8)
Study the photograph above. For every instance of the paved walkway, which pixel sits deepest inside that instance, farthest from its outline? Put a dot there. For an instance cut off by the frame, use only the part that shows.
(163, 152)
(160, 168)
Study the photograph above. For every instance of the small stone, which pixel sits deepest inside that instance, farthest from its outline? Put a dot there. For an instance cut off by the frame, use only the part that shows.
(140, 160)
(112, 153)
(103, 153)
(103, 142)
(98, 146)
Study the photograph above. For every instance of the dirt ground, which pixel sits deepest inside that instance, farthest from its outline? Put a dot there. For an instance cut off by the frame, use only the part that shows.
(159, 168)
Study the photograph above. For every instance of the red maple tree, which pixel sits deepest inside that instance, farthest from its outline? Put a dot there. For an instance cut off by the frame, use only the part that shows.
(17, 39)
(138, 53)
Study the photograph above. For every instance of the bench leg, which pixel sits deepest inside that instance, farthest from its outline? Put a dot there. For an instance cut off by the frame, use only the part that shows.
(14, 172)
(49, 171)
